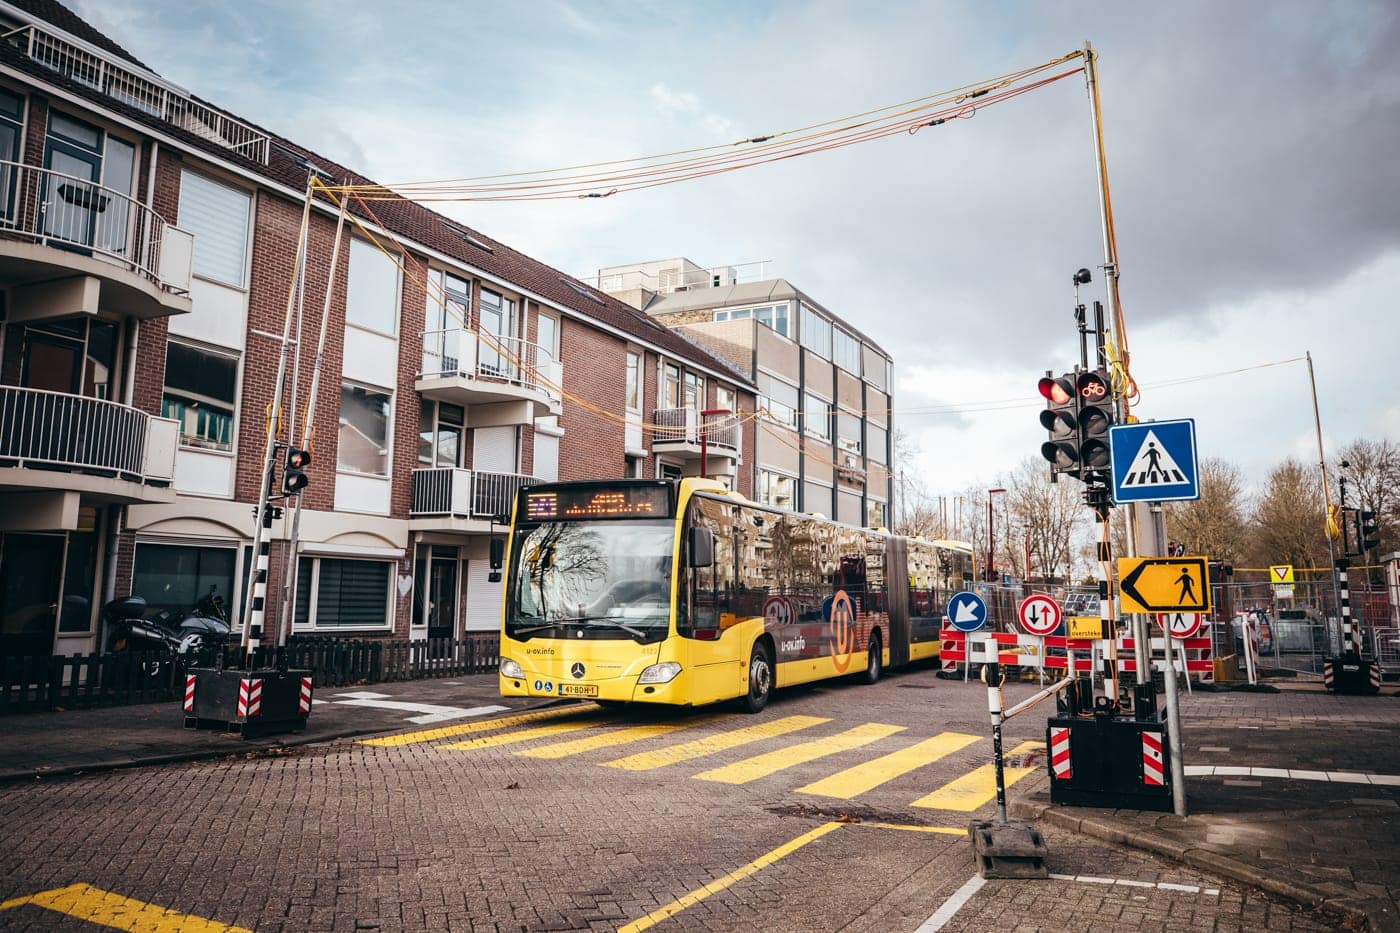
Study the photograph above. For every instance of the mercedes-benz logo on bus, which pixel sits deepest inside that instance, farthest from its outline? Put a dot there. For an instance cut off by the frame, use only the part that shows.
(576, 670)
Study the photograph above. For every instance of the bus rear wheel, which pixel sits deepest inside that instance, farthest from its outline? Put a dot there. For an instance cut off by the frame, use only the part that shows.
(873, 660)
(760, 678)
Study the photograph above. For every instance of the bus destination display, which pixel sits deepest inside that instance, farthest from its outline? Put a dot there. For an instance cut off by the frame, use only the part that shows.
(632, 502)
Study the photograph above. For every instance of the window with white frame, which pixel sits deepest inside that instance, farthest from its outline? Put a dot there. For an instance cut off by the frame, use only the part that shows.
(816, 417)
(816, 333)
(875, 514)
(876, 443)
(343, 593)
(778, 400)
(774, 317)
(372, 293)
(845, 351)
(217, 215)
(848, 432)
(694, 392)
(362, 442)
(777, 490)
(200, 386)
(634, 381)
(671, 386)
(724, 399)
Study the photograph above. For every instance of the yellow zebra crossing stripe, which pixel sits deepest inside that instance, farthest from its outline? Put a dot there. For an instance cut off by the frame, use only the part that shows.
(94, 905)
(482, 725)
(751, 769)
(977, 787)
(845, 785)
(686, 751)
(607, 739)
(521, 735)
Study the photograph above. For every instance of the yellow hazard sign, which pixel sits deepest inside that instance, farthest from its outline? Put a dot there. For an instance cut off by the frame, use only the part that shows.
(1281, 573)
(1164, 584)
(1087, 627)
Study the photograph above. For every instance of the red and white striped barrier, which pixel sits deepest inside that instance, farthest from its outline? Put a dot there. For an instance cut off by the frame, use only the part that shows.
(1375, 676)
(189, 693)
(1059, 753)
(1152, 759)
(1328, 675)
(1021, 650)
(249, 697)
(304, 699)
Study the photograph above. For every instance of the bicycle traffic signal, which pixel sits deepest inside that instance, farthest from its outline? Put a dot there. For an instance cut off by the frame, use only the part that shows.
(294, 478)
(1368, 533)
(1096, 415)
(1061, 419)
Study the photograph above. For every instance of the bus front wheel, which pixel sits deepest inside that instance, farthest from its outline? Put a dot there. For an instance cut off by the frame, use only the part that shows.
(760, 678)
(873, 660)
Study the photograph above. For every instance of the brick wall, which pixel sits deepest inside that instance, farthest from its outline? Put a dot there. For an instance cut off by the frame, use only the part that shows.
(595, 369)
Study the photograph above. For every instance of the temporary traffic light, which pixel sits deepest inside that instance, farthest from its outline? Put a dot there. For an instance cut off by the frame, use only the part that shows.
(1368, 532)
(1096, 415)
(294, 478)
(1061, 419)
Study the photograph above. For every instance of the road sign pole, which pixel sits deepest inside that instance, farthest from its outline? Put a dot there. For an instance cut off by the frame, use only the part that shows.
(1178, 767)
(992, 675)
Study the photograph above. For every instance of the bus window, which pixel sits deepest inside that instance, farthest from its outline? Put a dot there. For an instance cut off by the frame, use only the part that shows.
(709, 590)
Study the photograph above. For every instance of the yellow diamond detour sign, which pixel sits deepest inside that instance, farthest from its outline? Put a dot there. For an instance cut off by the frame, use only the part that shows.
(1164, 584)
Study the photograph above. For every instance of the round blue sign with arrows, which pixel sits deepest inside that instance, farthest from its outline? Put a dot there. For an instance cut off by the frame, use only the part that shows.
(967, 612)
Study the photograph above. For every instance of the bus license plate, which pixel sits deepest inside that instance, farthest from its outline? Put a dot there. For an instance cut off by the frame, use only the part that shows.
(578, 690)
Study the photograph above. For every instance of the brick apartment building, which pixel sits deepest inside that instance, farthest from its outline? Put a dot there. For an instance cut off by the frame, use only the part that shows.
(824, 443)
(147, 244)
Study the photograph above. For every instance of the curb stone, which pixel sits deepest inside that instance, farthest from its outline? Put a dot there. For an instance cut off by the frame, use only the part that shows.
(1352, 909)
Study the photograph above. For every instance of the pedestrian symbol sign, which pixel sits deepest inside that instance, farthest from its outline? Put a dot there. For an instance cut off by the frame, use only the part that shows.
(1180, 624)
(1164, 584)
(1154, 461)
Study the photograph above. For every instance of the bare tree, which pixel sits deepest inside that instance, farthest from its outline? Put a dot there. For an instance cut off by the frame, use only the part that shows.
(1214, 525)
(1051, 513)
(1373, 477)
(1288, 521)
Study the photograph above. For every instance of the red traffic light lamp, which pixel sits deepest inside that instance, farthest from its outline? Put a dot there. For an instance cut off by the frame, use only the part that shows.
(1061, 420)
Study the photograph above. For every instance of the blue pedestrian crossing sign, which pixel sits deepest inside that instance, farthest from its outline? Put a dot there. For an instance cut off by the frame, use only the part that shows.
(1154, 461)
(967, 612)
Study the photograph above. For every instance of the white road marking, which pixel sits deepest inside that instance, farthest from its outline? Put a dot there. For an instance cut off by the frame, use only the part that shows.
(428, 712)
(952, 905)
(1335, 777)
(1129, 883)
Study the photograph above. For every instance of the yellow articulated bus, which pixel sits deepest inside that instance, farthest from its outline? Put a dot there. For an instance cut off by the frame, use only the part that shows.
(684, 593)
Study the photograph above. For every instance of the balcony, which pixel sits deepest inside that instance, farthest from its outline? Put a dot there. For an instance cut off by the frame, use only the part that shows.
(88, 65)
(57, 446)
(448, 499)
(68, 245)
(499, 380)
(679, 431)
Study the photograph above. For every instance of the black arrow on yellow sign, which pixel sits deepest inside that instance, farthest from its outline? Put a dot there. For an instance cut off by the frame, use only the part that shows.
(1164, 584)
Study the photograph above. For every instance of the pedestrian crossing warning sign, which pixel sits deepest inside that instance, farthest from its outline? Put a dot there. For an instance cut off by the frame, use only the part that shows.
(1154, 461)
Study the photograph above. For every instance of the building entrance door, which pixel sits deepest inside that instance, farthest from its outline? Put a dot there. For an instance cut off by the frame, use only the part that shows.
(31, 569)
(442, 593)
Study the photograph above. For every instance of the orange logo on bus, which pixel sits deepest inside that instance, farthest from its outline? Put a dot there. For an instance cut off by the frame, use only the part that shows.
(843, 631)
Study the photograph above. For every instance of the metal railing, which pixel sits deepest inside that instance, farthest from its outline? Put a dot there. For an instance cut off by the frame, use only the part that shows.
(52, 429)
(147, 93)
(458, 351)
(685, 425)
(666, 281)
(83, 216)
(466, 493)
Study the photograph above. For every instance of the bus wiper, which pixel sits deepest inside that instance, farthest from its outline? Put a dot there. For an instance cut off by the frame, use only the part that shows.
(613, 623)
(556, 623)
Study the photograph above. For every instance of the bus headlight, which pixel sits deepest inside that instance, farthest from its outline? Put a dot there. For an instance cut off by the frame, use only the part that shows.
(511, 669)
(662, 673)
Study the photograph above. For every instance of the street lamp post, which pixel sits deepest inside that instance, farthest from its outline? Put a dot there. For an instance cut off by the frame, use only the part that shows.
(991, 537)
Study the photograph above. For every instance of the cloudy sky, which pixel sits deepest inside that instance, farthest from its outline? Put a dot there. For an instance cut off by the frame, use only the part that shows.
(1253, 152)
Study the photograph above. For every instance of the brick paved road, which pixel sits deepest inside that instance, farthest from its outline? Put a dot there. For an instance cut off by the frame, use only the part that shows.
(707, 820)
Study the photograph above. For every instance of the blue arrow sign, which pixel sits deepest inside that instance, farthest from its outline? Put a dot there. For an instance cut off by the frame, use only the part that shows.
(967, 612)
(1154, 461)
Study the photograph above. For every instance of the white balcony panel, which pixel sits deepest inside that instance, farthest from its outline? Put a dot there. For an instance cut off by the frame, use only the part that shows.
(201, 473)
(371, 358)
(355, 493)
(177, 258)
(162, 439)
(219, 315)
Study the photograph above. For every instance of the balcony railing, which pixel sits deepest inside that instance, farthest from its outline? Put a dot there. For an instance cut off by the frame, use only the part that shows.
(87, 218)
(447, 491)
(666, 281)
(52, 430)
(92, 67)
(686, 425)
(459, 352)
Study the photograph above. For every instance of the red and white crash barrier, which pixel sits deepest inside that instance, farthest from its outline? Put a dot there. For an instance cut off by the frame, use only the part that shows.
(304, 698)
(1152, 759)
(1052, 652)
(249, 697)
(1059, 753)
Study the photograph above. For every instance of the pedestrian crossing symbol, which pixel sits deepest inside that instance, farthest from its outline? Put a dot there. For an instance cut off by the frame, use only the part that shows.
(1154, 461)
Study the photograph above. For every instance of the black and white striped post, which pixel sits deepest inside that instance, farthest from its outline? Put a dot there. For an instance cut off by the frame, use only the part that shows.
(258, 596)
(1349, 646)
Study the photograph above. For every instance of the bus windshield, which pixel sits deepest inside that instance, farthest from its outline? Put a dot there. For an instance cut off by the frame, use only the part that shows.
(599, 579)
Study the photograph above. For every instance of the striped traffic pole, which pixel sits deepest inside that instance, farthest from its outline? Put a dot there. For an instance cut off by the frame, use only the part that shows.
(259, 595)
(1344, 596)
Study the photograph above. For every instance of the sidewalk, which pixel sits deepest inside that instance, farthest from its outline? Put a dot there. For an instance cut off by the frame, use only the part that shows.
(34, 745)
(1296, 793)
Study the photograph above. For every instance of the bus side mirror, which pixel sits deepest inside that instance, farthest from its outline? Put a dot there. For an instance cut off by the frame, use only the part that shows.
(498, 553)
(701, 547)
